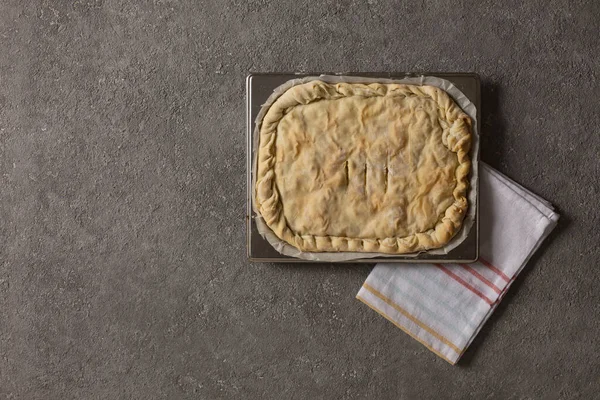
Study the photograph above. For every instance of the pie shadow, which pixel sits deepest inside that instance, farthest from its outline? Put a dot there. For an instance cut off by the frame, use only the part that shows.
(491, 137)
(335, 267)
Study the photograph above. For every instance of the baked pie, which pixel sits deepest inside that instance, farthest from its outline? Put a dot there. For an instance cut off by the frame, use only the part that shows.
(363, 167)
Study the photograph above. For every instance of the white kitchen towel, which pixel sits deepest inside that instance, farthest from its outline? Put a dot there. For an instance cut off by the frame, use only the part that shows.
(444, 306)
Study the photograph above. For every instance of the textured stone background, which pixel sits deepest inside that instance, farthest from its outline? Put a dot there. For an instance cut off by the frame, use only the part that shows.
(123, 271)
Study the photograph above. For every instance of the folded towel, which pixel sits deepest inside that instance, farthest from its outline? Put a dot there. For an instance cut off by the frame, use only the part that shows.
(444, 306)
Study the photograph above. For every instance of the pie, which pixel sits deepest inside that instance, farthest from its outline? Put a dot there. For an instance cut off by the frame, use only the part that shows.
(363, 167)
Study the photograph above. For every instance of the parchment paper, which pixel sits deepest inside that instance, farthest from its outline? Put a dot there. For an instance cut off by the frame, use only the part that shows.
(463, 102)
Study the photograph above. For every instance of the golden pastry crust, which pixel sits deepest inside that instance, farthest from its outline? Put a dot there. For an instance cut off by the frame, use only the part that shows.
(363, 167)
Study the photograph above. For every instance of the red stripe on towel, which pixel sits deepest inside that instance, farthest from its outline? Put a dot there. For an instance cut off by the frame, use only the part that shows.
(494, 269)
(481, 278)
(465, 284)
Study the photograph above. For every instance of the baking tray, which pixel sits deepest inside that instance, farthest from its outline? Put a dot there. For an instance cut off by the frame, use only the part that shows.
(259, 87)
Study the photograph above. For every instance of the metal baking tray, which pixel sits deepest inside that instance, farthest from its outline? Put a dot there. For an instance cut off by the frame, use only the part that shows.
(259, 87)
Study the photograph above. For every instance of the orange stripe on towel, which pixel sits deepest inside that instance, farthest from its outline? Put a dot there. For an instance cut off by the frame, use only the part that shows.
(405, 330)
(412, 318)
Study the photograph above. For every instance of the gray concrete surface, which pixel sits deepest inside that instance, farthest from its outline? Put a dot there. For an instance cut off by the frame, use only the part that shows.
(122, 247)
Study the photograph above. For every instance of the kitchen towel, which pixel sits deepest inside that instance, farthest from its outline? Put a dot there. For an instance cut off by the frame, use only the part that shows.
(444, 306)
